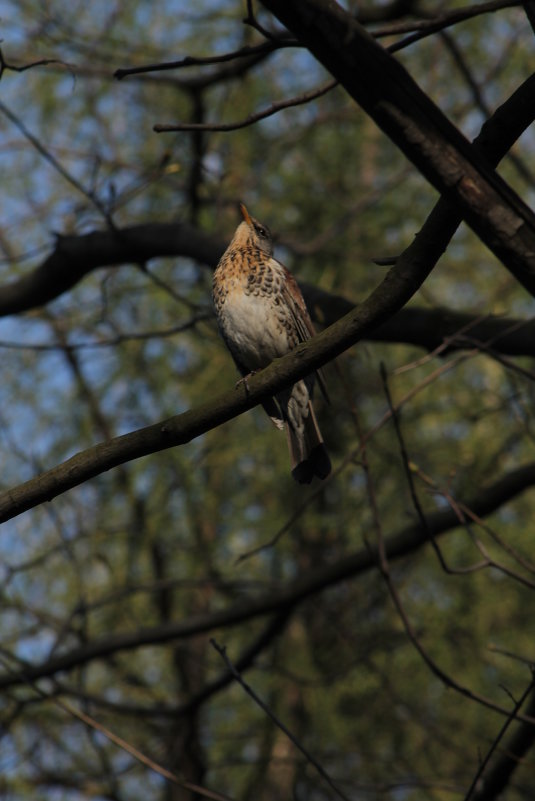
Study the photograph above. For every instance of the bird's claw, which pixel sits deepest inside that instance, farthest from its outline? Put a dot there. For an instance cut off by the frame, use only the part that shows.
(244, 381)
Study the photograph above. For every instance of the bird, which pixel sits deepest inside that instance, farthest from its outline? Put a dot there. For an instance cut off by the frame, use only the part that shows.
(262, 315)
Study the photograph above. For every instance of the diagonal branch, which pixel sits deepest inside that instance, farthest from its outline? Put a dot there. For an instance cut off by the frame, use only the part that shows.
(388, 298)
(386, 91)
(447, 19)
(222, 651)
(402, 543)
(52, 160)
(76, 256)
(512, 754)
(400, 283)
(274, 108)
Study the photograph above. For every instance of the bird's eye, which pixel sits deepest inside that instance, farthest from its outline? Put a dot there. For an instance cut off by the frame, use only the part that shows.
(261, 231)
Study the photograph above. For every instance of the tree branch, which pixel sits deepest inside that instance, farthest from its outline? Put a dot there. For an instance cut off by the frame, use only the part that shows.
(424, 28)
(76, 256)
(386, 91)
(274, 108)
(222, 651)
(512, 753)
(406, 541)
(42, 62)
(249, 51)
(383, 302)
(431, 328)
(400, 283)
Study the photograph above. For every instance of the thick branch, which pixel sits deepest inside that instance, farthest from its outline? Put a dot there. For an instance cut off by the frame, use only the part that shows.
(404, 542)
(430, 328)
(395, 290)
(401, 282)
(76, 256)
(386, 91)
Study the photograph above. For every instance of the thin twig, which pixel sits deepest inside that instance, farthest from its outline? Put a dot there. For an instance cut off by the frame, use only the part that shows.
(274, 108)
(450, 17)
(251, 20)
(222, 651)
(193, 61)
(56, 164)
(167, 288)
(505, 546)
(510, 655)
(460, 336)
(501, 359)
(408, 472)
(111, 342)
(42, 62)
(499, 737)
(428, 660)
(424, 28)
(123, 744)
(355, 452)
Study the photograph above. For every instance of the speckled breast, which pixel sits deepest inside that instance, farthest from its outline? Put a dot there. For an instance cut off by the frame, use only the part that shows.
(248, 301)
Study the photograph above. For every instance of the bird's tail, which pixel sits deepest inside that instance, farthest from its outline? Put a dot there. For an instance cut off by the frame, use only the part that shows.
(308, 453)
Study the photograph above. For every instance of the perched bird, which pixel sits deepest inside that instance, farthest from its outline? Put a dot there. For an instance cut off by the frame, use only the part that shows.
(262, 315)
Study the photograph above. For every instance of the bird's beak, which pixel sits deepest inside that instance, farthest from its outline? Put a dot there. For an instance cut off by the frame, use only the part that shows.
(245, 214)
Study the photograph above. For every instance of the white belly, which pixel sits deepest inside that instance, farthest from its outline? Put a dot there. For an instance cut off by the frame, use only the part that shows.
(253, 328)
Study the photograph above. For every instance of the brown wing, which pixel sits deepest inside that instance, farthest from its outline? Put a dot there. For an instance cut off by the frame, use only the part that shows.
(271, 407)
(303, 323)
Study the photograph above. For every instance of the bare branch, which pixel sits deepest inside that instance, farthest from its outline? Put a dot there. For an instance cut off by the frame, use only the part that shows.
(287, 596)
(386, 91)
(401, 282)
(134, 752)
(408, 472)
(250, 19)
(513, 716)
(222, 651)
(47, 155)
(424, 28)
(42, 62)
(191, 61)
(511, 757)
(300, 100)
(76, 256)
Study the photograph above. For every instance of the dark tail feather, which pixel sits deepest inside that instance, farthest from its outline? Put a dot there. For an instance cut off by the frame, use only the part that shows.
(308, 453)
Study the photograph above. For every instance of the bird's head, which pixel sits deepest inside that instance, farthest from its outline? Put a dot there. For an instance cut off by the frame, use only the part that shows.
(254, 232)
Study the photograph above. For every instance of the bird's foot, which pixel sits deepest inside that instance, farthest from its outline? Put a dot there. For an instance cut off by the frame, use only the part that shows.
(244, 381)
